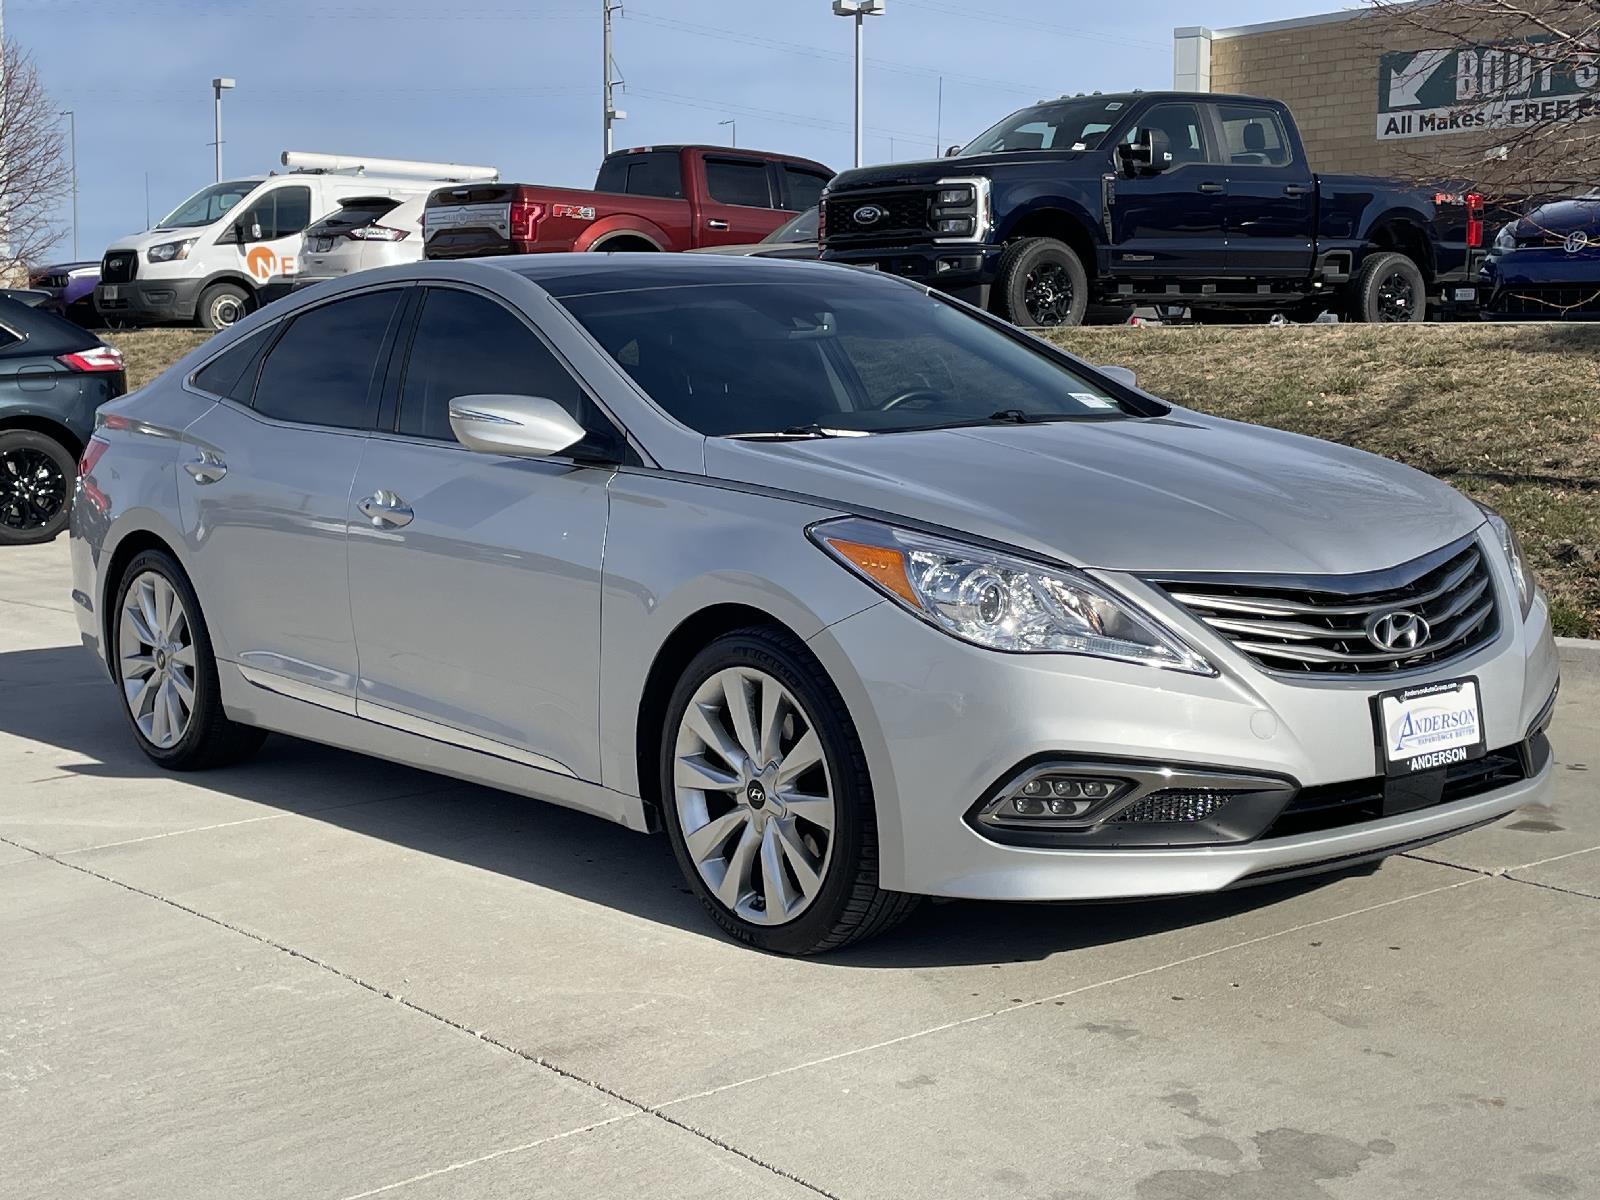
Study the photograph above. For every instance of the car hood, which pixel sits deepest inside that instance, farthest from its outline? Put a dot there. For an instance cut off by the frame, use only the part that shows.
(1183, 492)
(933, 169)
(1561, 218)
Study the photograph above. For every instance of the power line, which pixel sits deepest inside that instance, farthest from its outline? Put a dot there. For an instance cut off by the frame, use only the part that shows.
(809, 120)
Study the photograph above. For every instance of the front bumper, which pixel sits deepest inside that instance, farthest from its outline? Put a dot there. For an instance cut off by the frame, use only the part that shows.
(963, 270)
(909, 686)
(148, 301)
(1542, 282)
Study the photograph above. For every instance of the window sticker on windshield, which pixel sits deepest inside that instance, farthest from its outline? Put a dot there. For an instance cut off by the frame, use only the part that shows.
(1079, 146)
(1092, 400)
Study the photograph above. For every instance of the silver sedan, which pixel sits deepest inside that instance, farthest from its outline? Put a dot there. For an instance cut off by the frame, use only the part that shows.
(859, 594)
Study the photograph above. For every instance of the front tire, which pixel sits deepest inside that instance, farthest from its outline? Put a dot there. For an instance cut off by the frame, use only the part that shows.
(767, 800)
(1042, 284)
(1390, 290)
(37, 474)
(222, 305)
(162, 661)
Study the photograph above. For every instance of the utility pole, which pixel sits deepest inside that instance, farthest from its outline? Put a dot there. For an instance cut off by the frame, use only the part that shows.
(860, 10)
(218, 86)
(610, 112)
(938, 122)
(72, 142)
(733, 131)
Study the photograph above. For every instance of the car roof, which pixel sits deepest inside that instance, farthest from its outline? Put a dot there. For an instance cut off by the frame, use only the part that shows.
(1131, 97)
(583, 274)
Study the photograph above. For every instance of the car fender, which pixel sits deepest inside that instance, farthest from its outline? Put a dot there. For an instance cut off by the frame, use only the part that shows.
(627, 224)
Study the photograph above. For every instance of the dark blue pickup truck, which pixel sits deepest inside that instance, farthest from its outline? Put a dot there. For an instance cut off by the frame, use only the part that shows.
(1167, 198)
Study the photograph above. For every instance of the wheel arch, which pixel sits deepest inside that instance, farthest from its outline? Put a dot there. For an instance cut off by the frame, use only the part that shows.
(128, 547)
(46, 426)
(1402, 232)
(1052, 221)
(609, 230)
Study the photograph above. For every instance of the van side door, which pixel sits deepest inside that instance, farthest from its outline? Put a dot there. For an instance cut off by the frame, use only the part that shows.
(268, 233)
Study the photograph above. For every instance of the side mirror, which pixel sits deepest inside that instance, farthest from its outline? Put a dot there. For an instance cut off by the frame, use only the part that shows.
(952, 151)
(1150, 155)
(519, 426)
(1123, 375)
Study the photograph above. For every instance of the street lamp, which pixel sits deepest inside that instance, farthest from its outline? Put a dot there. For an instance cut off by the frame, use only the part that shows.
(72, 142)
(860, 10)
(733, 131)
(218, 86)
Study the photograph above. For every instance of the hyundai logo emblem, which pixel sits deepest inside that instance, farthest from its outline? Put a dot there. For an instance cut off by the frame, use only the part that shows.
(1577, 241)
(755, 794)
(867, 214)
(1397, 630)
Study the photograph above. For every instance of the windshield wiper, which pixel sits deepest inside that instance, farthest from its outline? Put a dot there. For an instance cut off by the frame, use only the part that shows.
(811, 430)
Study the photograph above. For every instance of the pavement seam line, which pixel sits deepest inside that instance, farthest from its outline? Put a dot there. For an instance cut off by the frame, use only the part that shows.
(66, 612)
(490, 1157)
(1042, 1000)
(526, 1055)
(1550, 887)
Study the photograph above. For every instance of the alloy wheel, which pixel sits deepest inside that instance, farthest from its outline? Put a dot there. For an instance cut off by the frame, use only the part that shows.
(753, 796)
(155, 645)
(225, 311)
(1047, 293)
(1396, 298)
(32, 489)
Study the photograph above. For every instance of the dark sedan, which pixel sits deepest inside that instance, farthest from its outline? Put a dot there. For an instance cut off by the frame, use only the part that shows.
(53, 376)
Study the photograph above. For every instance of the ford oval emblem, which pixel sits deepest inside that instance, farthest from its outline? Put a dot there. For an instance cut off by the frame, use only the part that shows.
(867, 214)
(1577, 241)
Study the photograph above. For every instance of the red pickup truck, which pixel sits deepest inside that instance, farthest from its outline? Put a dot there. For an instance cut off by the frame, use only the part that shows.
(651, 198)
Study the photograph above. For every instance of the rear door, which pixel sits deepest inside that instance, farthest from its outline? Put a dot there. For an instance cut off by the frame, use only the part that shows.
(738, 203)
(1169, 225)
(475, 578)
(264, 490)
(1270, 209)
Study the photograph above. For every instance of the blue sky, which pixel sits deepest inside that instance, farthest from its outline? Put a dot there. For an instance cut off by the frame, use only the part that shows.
(516, 83)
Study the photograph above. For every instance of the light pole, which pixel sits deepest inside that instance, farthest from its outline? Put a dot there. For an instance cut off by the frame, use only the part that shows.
(733, 131)
(219, 85)
(860, 10)
(72, 143)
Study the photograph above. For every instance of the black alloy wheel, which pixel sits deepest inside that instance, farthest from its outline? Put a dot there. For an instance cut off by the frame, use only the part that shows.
(36, 479)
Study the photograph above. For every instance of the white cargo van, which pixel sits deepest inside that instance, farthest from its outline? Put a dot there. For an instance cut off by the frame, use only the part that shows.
(209, 259)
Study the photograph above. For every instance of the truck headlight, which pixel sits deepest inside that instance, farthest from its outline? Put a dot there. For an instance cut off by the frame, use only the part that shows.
(170, 251)
(1527, 585)
(1001, 601)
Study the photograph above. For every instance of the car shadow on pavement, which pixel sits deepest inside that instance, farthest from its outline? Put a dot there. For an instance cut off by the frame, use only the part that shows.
(60, 699)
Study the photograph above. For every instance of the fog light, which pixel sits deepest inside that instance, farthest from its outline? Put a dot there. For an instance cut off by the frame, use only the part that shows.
(1055, 799)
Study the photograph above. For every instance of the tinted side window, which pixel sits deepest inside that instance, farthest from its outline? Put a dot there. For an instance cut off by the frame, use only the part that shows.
(233, 372)
(321, 370)
(655, 174)
(804, 187)
(1181, 124)
(293, 211)
(7, 338)
(468, 345)
(1253, 136)
(738, 181)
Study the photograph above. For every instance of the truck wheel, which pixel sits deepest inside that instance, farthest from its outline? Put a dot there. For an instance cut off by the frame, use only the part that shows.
(1042, 283)
(1389, 289)
(221, 305)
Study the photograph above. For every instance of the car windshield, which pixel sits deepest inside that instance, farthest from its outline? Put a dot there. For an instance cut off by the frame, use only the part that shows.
(835, 355)
(799, 229)
(208, 204)
(1061, 125)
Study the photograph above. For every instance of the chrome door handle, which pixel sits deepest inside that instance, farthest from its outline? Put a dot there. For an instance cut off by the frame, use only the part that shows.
(716, 224)
(386, 510)
(1211, 188)
(208, 468)
(1297, 189)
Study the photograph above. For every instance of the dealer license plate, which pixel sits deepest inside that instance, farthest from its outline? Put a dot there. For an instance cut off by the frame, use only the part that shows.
(1430, 726)
(110, 291)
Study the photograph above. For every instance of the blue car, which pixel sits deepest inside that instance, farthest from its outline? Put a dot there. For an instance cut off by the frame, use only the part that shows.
(1547, 264)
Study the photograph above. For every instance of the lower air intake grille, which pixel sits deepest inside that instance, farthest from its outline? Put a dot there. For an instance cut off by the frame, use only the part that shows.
(1434, 608)
(1173, 806)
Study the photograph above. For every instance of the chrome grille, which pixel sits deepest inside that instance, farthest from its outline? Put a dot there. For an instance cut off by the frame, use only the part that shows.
(119, 266)
(1318, 625)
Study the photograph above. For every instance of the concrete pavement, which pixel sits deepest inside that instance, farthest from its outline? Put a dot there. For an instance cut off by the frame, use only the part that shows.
(322, 976)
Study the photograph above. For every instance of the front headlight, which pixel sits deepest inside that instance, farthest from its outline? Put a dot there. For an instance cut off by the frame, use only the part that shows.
(1000, 601)
(1518, 561)
(1506, 239)
(170, 251)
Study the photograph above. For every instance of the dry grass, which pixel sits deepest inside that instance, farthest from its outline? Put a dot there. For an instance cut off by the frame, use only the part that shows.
(1510, 414)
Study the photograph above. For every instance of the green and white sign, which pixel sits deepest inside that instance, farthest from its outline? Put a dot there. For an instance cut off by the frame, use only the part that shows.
(1425, 93)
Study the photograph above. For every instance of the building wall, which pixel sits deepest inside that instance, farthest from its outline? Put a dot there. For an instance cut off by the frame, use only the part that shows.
(1327, 69)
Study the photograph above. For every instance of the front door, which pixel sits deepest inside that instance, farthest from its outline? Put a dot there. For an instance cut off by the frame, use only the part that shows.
(264, 487)
(272, 228)
(1169, 225)
(475, 578)
(1270, 209)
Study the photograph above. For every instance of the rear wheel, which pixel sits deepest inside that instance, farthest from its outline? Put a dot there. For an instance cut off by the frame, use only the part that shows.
(37, 474)
(1389, 290)
(160, 652)
(221, 305)
(1042, 284)
(768, 802)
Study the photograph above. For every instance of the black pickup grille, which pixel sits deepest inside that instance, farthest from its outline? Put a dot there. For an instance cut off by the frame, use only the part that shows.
(903, 213)
(1318, 625)
(119, 266)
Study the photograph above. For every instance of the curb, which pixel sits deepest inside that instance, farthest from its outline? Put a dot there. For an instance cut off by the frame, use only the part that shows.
(1580, 658)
